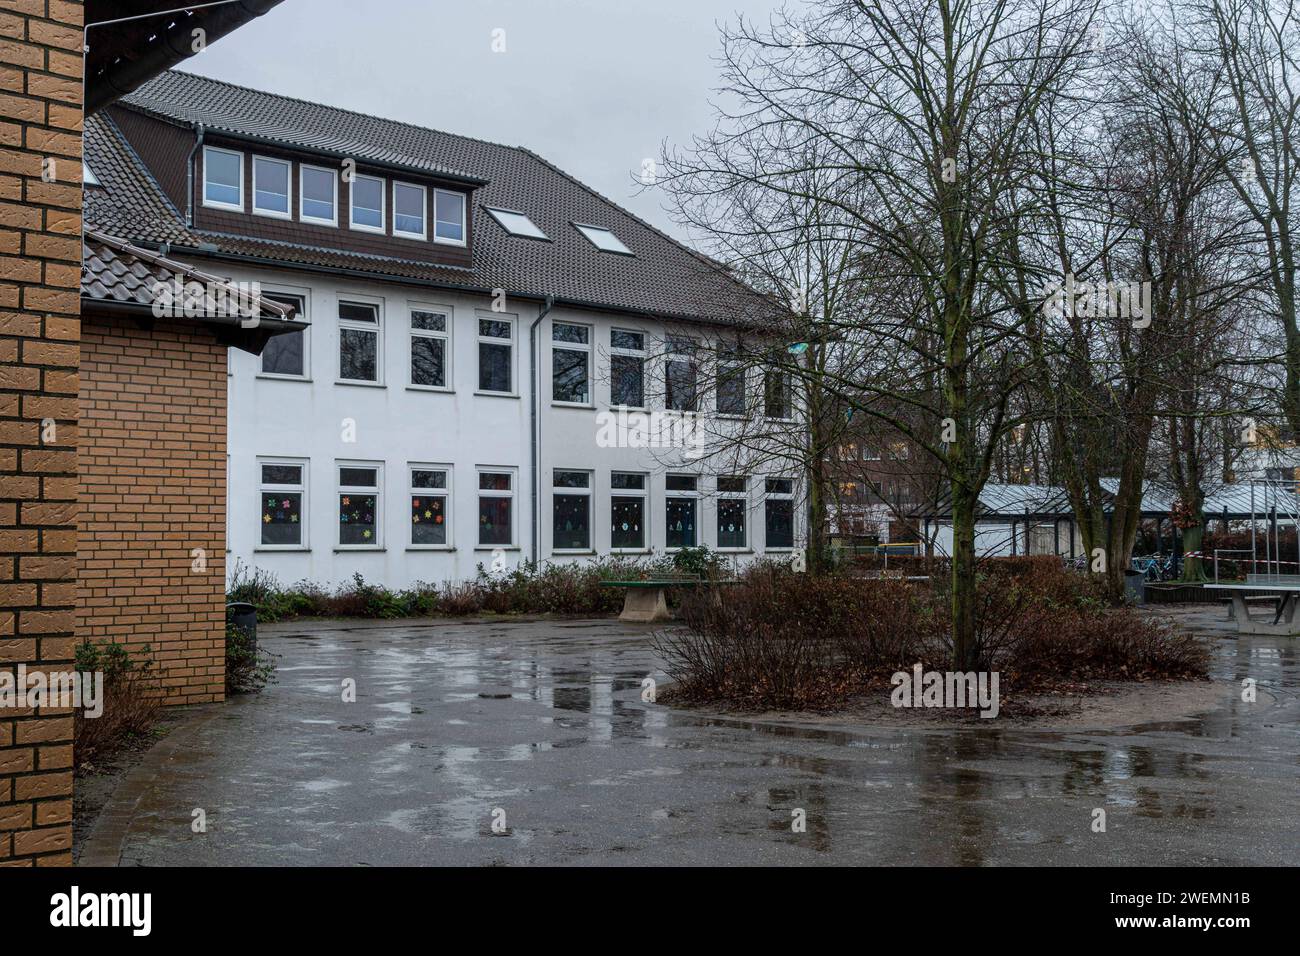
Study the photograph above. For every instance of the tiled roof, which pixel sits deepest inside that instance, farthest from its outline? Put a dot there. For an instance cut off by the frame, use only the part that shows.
(115, 271)
(663, 277)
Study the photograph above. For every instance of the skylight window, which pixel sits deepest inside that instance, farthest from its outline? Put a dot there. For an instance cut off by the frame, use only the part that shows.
(603, 239)
(516, 223)
(88, 177)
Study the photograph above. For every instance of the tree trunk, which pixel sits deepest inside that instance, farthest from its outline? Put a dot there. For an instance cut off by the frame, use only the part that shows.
(965, 649)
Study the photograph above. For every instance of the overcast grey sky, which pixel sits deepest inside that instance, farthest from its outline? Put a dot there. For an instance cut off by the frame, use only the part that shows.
(595, 86)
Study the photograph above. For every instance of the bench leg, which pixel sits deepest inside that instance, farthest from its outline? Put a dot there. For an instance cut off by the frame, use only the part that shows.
(645, 606)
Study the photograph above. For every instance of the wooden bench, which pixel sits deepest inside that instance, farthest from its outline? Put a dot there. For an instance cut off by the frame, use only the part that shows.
(646, 600)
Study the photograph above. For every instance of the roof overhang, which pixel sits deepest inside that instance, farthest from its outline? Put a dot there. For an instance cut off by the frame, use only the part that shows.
(128, 42)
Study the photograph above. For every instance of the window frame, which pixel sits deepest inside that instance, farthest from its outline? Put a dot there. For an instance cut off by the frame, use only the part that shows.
(623, 249)
(445, 336)
(692, 495)
(481, 339)
(586, 349)
(571, 492)
(641, 355)
(334, 201)
(448, 503)
(288, 194)
(304, 297)
(741, 496)
(359, 326)
(480, 493)
(423, 234)
(301, 488)
(643, 493)
(769, 495)
(497, 211)
(216, 203)
(691, 359)
(464, 218)
(730, 355)
(377, 490)
(786, 382)
(382, 228)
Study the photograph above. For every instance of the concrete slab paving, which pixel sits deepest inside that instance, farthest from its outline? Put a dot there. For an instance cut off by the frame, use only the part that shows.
(540, 726)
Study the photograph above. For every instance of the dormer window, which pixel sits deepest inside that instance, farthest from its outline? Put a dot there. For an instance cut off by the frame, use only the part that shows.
(603, 239)
(368, 204)
(271, 178)
(448, 217)
(516, 223)
(223, 178)
(318, 202)
(408, 211)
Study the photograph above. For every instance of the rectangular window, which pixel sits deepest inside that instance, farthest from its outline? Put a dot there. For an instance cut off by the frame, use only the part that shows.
(286, 354)
(495, 355)
(408, 211)
(496, 498)
(367, 203)
(627, 511)
(318, 195)
(679, 374)
(359, 342)
(731, 381)
(732, 509)
(271, 179)
(778, 514)
(223, 178)
(571, 516)
(681, 508)
(627, 368)
(283, 494)
(448, 217)
(570, 363)
(430, 348)
(359, 503)
(776, 394)
(430, 514)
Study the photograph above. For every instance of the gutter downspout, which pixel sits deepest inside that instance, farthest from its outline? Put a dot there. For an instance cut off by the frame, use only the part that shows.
(532, 398)
(189, 176)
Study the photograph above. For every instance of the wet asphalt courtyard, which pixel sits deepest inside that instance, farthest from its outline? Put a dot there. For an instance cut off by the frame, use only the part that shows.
(540, 728)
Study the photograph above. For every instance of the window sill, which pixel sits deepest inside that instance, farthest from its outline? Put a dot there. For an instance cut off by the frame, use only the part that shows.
(272, 377)
(734, 550)
(352, 548)
(496, 394)
(627, 408)
(271, 214)
(431, 547)
(578, 405)
(287, 549)
(631, 551)
(572, 552)
(431, 388)
(496, 547)
(357, 384)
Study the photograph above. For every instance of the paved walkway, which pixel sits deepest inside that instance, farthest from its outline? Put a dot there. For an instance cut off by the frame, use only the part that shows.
(544, 721)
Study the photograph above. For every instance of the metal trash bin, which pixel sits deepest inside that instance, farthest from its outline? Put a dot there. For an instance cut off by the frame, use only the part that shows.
(243, 615)
(1135, 586)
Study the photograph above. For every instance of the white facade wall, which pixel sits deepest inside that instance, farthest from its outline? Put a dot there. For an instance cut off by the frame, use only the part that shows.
(321, 422)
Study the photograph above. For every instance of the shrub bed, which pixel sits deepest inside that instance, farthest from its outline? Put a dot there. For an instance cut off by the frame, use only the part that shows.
(131, 703)
(777, 642)
(529, 589)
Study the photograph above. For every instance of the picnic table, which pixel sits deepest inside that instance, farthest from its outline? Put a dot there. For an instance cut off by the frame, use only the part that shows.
(1283, 590)
(646, 600)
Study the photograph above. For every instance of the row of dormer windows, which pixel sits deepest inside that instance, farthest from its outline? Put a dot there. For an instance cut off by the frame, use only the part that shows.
(318, 197)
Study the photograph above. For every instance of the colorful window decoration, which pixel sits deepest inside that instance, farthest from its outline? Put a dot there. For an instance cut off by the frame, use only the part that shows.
(282, 518)
(357, 519)
(680, 519)
(428, 520)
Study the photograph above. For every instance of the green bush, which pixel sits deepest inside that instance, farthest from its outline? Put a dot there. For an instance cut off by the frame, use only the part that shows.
(248, 668)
